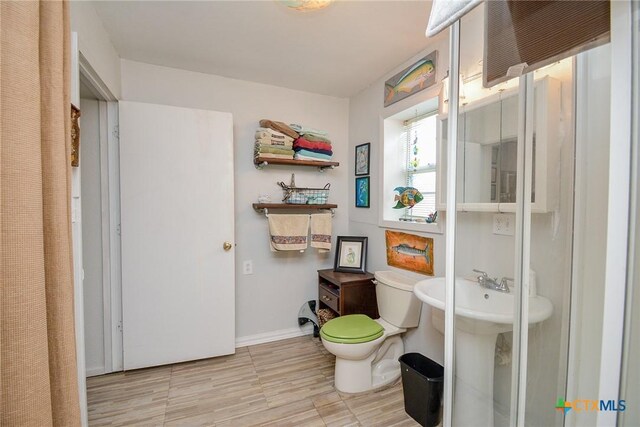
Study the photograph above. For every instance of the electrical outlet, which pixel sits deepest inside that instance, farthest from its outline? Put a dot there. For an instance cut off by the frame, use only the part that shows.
(503, 224)
(247, 267)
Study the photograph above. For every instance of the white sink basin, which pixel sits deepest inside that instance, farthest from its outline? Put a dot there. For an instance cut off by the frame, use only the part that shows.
(478, 303)
(481, 314)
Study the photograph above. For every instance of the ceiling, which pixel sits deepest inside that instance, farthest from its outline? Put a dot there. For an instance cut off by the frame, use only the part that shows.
(336, 51)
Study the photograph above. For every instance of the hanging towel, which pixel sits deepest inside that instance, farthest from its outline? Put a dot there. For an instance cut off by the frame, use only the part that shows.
(321, 231)
(280, 127)
(288, 232)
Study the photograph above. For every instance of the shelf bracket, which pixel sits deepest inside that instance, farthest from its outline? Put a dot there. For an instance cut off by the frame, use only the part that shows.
(322, 168)
(261, 165)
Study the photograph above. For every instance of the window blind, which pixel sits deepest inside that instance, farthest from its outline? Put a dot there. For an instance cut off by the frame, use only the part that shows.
(538, 33)
(420, 164)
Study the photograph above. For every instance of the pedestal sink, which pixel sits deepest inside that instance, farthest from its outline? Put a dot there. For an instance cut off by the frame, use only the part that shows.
(481, 314)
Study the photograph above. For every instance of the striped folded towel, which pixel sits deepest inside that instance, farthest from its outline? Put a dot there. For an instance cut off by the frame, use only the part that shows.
(273, 135)
(274, 156)
(261, 149)
(275, 143)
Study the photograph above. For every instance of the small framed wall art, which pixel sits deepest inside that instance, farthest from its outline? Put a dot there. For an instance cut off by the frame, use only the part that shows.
(351, 255)
(363, 156)
(362, 192)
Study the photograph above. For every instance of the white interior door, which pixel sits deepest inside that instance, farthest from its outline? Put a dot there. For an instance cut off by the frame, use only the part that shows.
(178, 292)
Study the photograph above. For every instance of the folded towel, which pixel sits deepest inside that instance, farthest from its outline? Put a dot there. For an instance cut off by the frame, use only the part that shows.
(314, 150)
(314, 155)
(304, 143)
(288, 232)
(280, 127)
(272, 135)
(261, 149)
(274, 142)
(316, 138)
(321, 231)
(298, 156)
(304, 129)
(274, 156)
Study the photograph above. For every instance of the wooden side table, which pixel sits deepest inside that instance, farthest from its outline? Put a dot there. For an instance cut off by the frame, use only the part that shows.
(347, 293)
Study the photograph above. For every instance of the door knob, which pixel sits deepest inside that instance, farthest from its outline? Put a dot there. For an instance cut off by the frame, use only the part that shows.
(226, 246)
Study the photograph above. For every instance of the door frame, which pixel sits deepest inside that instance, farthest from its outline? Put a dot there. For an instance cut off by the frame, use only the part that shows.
(80, 65)
(110, 202)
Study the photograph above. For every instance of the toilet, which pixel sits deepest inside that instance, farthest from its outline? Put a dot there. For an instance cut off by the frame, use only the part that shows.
(367, 350)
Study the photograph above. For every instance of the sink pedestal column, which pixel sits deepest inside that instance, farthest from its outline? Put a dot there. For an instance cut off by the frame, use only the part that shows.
(473, 398)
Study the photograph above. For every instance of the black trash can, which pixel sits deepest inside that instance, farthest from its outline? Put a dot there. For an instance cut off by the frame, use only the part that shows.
(422, 383)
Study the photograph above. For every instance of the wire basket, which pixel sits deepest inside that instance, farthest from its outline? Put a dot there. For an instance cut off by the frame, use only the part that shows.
(304, 196)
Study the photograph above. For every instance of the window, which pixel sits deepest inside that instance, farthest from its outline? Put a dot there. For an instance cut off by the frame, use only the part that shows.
(420, 167)
(409, 159)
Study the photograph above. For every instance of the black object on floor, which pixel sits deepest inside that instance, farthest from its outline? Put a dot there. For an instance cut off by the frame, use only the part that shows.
(307, 314)
(422, 383)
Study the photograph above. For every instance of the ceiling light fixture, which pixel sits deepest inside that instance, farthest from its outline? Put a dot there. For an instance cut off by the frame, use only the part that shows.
(306, 5)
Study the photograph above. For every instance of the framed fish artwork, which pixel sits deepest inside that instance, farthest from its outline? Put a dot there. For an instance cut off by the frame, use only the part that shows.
(409, 252)
(413, 79)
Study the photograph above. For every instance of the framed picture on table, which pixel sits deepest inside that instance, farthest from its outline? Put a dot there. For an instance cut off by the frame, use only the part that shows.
(351, 255)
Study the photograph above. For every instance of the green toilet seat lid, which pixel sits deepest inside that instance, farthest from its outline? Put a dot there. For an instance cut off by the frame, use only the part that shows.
(351, 329)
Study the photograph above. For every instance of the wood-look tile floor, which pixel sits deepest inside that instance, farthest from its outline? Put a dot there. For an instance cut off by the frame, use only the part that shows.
(283, 383)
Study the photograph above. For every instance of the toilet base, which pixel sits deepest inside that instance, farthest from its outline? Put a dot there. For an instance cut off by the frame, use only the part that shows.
(378, 370)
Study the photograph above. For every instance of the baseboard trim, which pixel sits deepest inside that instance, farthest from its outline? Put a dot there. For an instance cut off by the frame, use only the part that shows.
(93, 372)
(266, 337)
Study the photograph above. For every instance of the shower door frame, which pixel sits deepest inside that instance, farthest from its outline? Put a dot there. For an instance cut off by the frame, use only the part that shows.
(618, 206)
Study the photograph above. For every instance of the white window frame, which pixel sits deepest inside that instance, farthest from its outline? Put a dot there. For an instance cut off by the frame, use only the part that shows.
(432, 96)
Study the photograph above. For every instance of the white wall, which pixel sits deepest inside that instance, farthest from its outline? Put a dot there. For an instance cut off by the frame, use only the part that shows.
(95, 45)
(366, 113)
(92, 237)
(267, 301)
(478, 247)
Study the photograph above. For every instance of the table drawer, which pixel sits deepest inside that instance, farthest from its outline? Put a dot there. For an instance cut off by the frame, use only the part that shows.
(329, 298)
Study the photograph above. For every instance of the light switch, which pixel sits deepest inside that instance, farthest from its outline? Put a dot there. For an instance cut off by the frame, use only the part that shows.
(247, 267)
(503, 224)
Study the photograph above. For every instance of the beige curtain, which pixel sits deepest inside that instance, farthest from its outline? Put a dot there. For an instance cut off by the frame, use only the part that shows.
(37, 343)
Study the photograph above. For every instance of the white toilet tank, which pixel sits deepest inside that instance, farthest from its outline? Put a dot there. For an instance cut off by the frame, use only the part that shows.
(397, 303)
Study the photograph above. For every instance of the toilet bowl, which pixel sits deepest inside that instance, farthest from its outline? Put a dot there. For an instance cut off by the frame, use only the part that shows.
(367, 350)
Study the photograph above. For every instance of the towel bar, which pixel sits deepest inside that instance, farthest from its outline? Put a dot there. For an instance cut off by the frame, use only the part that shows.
(266, 212)
(265, 207)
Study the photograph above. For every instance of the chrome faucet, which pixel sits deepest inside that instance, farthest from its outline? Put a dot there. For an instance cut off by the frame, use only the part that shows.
(487, 282)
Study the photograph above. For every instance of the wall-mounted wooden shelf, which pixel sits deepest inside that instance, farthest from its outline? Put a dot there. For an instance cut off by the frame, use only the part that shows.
(261, 162)
(260, 206)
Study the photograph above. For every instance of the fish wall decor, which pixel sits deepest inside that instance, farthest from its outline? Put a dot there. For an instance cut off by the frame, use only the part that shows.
(407, 197)
(409, 252)
(412, 79)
